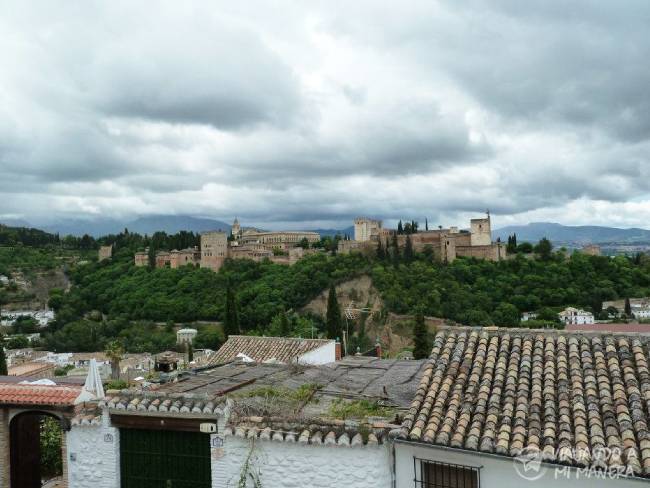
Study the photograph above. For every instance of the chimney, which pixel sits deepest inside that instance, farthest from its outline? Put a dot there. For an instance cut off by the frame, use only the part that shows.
(378, 349)
(337, 350)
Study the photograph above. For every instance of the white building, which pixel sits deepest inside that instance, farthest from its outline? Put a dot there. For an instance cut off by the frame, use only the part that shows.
(574, 316)
(526, 316)
(186, 336)
(641, 313)
(280, 350)
(491, 408)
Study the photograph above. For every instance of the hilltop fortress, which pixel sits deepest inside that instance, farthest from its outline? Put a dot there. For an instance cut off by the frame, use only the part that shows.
(216, 246)
(286, 247)
(445, 244)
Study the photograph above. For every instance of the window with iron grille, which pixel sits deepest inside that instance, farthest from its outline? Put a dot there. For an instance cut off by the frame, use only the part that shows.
(433, 474)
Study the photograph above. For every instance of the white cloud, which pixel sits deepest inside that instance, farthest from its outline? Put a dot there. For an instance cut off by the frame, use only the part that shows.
(303, 115)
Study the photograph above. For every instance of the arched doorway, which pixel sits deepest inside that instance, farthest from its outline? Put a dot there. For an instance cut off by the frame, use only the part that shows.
(35, 448)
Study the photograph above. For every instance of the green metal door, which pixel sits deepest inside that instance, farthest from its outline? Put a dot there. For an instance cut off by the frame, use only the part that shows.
(164, 459)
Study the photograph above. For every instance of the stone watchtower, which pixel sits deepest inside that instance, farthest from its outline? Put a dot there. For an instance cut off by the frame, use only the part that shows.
(214, 249)
(236, 229)
(481, 231)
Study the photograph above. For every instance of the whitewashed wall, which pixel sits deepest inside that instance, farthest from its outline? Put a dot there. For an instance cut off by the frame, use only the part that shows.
(292, 465)
(496, 472)
(93, 457)
(322, 355)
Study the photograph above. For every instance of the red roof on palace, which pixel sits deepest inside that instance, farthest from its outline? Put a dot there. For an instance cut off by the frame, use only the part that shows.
(13, 394)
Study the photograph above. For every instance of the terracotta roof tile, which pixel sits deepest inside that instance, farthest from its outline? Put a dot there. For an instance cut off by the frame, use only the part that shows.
(17, 394)
(579, 399)
(260, 349)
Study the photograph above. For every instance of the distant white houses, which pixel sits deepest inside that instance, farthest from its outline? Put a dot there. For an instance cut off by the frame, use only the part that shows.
(575, 316)
(641, 313)
(42, 317)
(4, 280)
(185, 336)
(526, 316)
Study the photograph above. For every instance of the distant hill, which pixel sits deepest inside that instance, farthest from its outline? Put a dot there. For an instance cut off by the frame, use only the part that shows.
(583, 234)
(170, 224)
(143, 225)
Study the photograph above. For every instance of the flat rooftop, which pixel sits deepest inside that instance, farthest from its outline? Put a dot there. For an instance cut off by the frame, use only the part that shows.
(392, 381)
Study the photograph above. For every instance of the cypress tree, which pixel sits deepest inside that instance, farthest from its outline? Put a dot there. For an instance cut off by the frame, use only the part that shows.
(408, 250)
(285, 328)
(395, 247)
(426, 224)
(231, 316)
(380, 251)
(400, 228)
(152, 256)
(420, 338)
(334, 324)
(3, 360)
(628, 308)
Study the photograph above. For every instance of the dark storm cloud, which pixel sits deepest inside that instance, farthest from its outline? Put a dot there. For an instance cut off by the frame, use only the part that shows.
(207, 75)
(583, 64)
(298, 112)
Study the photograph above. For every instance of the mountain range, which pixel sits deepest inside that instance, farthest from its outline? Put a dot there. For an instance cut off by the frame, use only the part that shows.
(532, 232)
(170, 224)
(568, 234)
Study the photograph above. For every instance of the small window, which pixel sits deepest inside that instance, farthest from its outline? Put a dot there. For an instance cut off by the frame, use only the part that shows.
(431, 474)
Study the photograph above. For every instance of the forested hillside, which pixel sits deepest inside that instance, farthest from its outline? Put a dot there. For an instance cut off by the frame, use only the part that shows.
(469, 291)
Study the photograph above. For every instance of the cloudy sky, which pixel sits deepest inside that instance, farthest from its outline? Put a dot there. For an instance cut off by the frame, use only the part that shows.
(306, 114)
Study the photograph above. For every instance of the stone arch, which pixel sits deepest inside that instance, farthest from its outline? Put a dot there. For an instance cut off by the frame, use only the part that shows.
(24, 445)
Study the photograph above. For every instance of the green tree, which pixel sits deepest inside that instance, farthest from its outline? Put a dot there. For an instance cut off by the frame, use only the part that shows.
(18, 342)
(400, 228)
(231, 315)
(152, 256)
(525, 248)
(3, 359)
(544, 249)
(50, 447)
(285, 326)
(511, 248)
(208, 338)
(506, 315)
(426, 224)
(421, 349)
(114, 352)
(408, 250)
(628, 307)
(395, 249)
(381, 255)
(333, 321)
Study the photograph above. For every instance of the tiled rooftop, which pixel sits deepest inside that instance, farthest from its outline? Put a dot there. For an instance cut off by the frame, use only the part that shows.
(17, 394)
(280, 349)
(567, 395)
(346, 434)
(154, 402)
